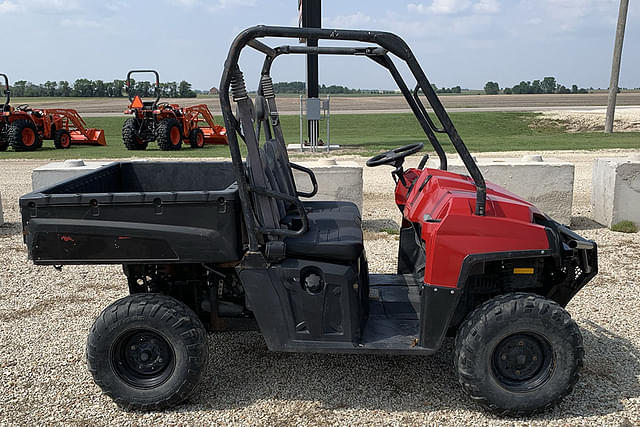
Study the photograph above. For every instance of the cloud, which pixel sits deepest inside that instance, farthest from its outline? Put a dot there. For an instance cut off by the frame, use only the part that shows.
(356, 20)
(452, 7)
(229, 4)
(83, 23)
(8, 6)
(486, 6)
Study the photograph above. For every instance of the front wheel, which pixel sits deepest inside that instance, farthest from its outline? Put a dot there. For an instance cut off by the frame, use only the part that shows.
(147, 351)
(196, 138)
(62, 139)
(518, 354)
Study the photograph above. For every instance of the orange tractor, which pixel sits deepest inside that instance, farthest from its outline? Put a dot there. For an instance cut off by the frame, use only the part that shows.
(25, 128)
(168, 124)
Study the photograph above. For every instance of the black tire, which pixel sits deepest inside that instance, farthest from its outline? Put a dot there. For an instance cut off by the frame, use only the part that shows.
(169, 135)
(196, 138)
(147, 351)
(23, 136)
(518, 354)
(129, 135)
(4, 138)
(62, 139)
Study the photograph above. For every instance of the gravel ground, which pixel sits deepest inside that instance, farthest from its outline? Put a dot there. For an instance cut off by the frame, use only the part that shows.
(45, 316)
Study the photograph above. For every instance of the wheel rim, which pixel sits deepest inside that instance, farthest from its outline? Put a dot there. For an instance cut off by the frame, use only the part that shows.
(522, 362)
(175, 135)
(28, 137)
(143, 358)
(65, 140)
(200, 140)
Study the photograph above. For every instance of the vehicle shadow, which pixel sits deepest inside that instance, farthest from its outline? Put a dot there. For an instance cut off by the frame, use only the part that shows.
(243, 371)
(378, 225)
(10, 229)
(584, 223)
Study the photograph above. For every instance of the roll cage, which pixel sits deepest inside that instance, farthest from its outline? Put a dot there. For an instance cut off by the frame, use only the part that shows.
(232, 83)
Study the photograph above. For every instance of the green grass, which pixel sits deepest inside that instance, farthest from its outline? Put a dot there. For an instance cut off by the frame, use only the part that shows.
(624, 227)
(370, 133)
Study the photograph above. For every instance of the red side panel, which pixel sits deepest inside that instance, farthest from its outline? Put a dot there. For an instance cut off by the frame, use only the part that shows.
(443, 204)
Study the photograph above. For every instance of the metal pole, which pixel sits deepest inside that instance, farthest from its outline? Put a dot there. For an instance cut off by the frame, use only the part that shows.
(312, 18)
(301, 135)
(328, 126)
(615, 66)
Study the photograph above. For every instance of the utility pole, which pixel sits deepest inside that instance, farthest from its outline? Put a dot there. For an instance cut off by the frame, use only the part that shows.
(615, 67)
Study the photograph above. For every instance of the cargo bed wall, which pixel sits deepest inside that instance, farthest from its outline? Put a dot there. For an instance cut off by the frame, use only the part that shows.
(137, 212)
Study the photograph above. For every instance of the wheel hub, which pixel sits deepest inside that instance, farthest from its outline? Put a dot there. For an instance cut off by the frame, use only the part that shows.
(143, 358)
(522, 362)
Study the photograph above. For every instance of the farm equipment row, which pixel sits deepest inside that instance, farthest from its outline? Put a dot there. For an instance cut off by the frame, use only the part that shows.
(168, 124)
(25, 128)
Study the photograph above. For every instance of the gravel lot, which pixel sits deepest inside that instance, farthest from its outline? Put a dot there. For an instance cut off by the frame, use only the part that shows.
(45, 316)
(627, 119)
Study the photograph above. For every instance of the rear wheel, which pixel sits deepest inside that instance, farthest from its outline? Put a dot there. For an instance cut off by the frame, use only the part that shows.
(518, 354)
(4, 138)
(147, 351)
(130, 135)
(196, 138)
(62, 139)
(23, 136)
(169, 135)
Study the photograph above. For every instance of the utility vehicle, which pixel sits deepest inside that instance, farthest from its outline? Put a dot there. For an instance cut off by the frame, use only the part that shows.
(167, 123)
(232, 245)
(24, 128)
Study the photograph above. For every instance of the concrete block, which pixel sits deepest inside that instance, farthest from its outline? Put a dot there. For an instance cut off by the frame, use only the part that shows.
(546, 184)
(52, 173)
(336, 180)
(615, 194)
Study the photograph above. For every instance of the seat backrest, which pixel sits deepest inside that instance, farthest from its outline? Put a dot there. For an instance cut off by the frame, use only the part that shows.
(282, 172)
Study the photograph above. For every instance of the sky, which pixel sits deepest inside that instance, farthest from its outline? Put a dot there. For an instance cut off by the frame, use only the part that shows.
(458, 42)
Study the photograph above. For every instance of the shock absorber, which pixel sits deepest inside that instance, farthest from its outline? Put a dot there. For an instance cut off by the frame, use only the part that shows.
(238, 87)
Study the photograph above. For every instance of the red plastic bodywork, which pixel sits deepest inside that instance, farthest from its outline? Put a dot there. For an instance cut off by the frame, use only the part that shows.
(444, 208)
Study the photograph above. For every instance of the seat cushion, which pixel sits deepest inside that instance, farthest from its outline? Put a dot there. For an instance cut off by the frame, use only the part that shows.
(330, 239)
(331, 208)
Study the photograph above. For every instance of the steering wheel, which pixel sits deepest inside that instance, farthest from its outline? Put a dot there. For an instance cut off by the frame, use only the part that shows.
(394, 156)
(22, 107)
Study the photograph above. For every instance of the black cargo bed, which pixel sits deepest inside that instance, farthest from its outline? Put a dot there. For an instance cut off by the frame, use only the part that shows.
(136, 212)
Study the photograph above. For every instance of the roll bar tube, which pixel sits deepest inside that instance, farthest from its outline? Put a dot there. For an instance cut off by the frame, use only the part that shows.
(387, 41)
(128, 83)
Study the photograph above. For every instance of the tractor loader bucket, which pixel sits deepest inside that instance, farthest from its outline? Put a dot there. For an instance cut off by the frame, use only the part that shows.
(216, 135)
(91, 136)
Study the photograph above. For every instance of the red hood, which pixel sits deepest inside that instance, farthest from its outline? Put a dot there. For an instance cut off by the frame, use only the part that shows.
(446, 191)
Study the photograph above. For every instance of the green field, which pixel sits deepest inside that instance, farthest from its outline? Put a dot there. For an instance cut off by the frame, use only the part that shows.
(368, 134)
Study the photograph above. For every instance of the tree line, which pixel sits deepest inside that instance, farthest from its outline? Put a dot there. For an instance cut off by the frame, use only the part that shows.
(300, 89)
(547, 85)
(99, 88)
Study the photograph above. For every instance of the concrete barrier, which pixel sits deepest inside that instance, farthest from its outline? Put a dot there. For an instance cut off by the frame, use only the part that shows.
(336, 180)
(546, 184)
(55, 172)
(615, 194)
